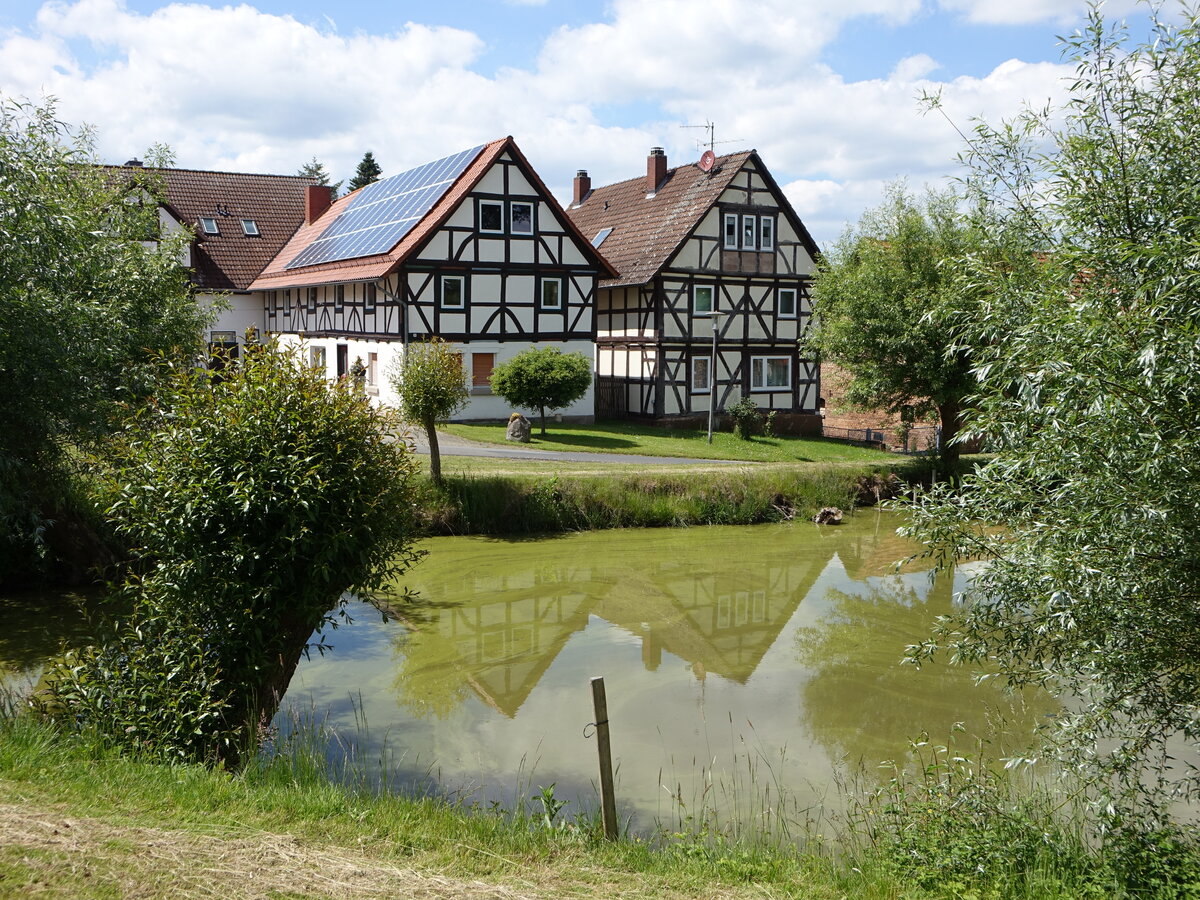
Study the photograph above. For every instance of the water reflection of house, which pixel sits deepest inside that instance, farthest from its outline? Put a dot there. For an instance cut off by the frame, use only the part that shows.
(498, 633)
(722, 624)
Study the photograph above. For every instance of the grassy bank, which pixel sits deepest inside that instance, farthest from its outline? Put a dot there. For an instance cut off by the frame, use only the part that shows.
(639, 498)
(79, 821)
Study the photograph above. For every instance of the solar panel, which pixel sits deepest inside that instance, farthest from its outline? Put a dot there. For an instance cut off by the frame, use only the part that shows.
(383, 212)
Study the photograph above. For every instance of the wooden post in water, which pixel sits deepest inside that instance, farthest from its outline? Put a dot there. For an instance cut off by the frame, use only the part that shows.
(608, 799)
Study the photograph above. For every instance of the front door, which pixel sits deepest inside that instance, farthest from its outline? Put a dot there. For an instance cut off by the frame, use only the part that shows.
(343, 364)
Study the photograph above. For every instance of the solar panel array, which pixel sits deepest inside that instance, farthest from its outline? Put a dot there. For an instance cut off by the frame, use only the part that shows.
(382, 213)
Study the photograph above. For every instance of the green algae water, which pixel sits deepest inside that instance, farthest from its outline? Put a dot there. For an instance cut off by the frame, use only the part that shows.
(747, 669)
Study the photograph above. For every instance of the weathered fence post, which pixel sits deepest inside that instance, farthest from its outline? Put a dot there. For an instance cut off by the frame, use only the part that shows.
(608, 800)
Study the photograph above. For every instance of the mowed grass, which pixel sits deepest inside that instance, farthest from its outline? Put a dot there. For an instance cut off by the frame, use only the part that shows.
(645, 440)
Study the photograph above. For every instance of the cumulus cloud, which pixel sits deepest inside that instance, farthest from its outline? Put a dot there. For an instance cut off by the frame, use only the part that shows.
(236, 88)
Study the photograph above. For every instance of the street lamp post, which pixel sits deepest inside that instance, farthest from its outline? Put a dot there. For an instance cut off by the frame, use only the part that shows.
(715, 318)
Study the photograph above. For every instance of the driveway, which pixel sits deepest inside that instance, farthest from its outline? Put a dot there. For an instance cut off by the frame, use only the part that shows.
(452, 445)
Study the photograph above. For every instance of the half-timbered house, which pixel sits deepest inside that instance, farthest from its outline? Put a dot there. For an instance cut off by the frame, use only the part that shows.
(238, 223)
(697, 248)
(471, 248)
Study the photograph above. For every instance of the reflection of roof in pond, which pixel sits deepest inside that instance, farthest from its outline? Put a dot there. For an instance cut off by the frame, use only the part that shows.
(505, 645)
(870, 554)
(726, 625)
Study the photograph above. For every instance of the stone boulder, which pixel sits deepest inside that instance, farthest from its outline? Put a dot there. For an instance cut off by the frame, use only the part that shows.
(519, 429)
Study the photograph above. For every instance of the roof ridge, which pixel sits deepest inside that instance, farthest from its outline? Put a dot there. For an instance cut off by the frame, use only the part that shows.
(157, 169)
(694, 164)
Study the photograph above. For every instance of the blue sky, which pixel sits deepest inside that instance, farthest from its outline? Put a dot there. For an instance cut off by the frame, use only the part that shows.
(825, 90)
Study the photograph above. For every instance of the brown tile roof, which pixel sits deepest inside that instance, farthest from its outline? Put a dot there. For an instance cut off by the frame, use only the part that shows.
(646, 232)
(231, 260)
(277, 275)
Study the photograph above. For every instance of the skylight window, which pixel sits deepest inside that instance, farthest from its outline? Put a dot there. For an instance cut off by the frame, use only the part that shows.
(209, 225)
(249, 228)
(600, 236)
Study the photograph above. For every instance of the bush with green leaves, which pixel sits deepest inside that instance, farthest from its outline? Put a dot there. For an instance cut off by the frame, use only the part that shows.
(747, 420)
(543, 378)
(254, 504)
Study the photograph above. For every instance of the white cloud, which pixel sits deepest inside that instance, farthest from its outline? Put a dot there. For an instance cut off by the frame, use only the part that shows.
(236, 88)
(1024, 12)
(914, 68)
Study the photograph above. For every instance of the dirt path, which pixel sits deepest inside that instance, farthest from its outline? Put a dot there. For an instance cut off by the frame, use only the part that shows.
(44, 853)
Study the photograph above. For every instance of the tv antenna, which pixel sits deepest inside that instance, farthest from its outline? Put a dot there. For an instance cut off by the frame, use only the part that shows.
(709, 157)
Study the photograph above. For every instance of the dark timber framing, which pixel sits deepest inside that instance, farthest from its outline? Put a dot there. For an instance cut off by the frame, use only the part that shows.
(649, 333)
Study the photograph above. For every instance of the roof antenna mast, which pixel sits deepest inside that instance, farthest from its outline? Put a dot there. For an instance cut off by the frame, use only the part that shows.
(709, 157)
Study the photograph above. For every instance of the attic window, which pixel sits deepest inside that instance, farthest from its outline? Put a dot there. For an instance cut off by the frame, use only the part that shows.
(209, 225)
(249, 228)
(600, 236)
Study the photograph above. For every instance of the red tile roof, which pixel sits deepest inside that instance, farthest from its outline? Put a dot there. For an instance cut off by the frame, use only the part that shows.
(277, 275)
(230, 260)
(646, 231)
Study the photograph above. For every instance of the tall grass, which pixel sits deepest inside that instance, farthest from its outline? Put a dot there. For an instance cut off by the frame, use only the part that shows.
(482, 504)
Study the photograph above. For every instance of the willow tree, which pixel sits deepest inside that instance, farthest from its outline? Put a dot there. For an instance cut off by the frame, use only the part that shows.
(887, 305)
(1086, 346)
(90, 293)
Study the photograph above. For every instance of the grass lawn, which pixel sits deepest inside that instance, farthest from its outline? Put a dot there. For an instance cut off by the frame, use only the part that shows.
(625, 437)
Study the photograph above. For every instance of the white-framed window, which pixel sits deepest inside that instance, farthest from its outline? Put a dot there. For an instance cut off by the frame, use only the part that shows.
(770, 373)
(339, 297)
(370, 292)
(702, 299)
(316, 358)
(731, 231)
(453, 292)
(552, 293)
(701, 382)
(287, 303)
(249, 228)
(785, 303)
(520, 218)
(601, 235)
(491, 216)
(766, 233)
(312, 299)
(749, 232)
(373, 372)
(209, 225)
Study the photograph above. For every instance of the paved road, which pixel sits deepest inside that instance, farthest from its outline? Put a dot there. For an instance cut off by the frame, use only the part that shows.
(452, 445)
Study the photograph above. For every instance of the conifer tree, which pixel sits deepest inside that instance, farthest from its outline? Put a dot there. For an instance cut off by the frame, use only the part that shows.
(315, 169)
(368, 171)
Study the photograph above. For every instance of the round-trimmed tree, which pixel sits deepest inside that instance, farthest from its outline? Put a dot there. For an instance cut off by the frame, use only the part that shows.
(543, 378)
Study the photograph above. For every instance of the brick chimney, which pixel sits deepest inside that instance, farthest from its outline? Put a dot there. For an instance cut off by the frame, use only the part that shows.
(583, 187)
(656, 169)
(317, 199)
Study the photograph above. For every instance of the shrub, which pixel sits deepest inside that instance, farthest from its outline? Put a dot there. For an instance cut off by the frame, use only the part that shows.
(252, 505)
(747, 420)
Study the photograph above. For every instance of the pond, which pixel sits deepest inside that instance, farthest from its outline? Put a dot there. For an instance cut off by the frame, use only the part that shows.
(744, 666)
